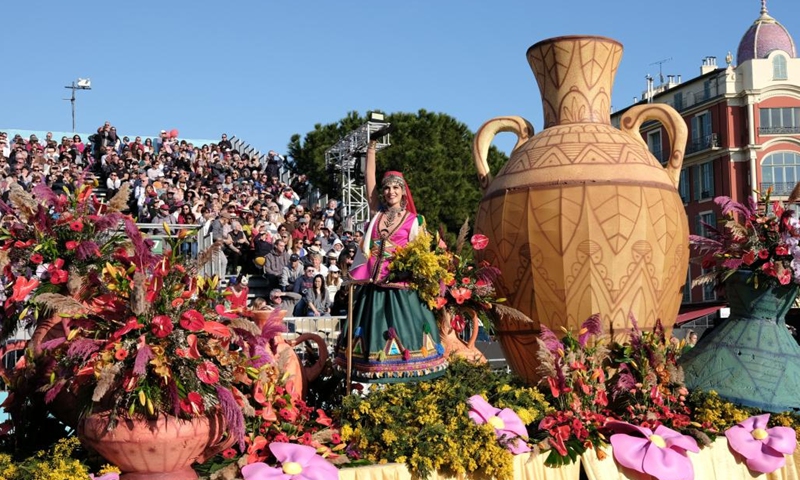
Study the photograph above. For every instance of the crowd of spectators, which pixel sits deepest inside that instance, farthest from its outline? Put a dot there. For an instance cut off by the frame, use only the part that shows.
(265, 226)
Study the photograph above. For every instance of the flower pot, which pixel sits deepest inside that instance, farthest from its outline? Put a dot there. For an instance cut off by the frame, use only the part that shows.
(750, 358)
(715, 461)
(582, 219)
(160, 449)
(453, 345)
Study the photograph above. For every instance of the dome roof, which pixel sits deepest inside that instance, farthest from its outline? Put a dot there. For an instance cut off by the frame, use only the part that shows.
(763, 37)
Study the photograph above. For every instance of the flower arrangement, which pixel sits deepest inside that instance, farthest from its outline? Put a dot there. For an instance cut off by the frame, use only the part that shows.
(143, 334)
(428, 425)
(54, 243)
(573, 369)
(763, 238)
(57, 462)
(422, 267)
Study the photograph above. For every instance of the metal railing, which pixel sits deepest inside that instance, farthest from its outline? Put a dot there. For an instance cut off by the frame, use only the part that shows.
(778, 188)
(686, 100)
(709, 141)
(779, 130)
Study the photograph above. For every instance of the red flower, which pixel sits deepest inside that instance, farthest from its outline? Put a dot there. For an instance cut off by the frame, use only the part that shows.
(21, 244)
(191, 352)
(440, 302)
(749, 257)
(208, 373)
(121, 354)
(58, 275)
(479, 242)
(458, 323)
(288, 414)
(161, 326)
(71, 245)
(37, 258)
(192, 320)
(76, 226)
(228, 453)
(763, 254)
(193, 404)
(781, 250)
(466, 280)
(785, 276)
(461, 294)
(22, 287)
(132, 324)
(336, 439)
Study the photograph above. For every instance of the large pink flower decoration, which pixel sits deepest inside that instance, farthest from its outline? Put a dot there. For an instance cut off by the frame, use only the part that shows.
(661, 454)
(506, 423)
(479, 241)
(298, 462)
(762, 447)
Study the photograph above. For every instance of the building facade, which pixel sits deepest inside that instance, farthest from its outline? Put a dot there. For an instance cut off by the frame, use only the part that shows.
(744, 128)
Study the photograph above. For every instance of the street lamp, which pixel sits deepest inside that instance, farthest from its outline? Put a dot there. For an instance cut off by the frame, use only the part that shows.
(80, 84)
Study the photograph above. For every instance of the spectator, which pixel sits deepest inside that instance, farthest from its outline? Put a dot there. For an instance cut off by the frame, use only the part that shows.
(305, 281)
(238, 248)
(112, 184)
(291, 272)
(224, 143)
(333, 282)
(331, 217)
(316, 298)
(275, 263)
(302, 233)
(300, 185)
(274, 164)
(218, 234)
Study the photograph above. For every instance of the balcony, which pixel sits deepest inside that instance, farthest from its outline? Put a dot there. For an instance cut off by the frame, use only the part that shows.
(710, 141)
(686, 100)
(779, 189)
(779, 130)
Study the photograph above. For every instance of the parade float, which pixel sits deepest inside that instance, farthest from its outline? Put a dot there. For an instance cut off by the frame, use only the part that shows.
(157, 375)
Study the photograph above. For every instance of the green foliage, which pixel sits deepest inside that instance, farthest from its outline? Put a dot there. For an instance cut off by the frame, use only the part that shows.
(433, 150)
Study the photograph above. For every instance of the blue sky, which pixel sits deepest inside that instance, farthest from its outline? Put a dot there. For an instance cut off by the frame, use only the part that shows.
(263, 70)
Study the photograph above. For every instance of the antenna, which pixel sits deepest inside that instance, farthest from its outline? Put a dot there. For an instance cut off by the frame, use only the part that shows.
(660, 63)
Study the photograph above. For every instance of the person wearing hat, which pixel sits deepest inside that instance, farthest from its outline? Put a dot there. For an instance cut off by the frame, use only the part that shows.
(412, 352)
(326, 238)
(333, 282)
(162, 216)
(291, 272)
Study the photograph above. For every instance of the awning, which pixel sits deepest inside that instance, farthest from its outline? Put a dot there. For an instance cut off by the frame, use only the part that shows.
(696, 313)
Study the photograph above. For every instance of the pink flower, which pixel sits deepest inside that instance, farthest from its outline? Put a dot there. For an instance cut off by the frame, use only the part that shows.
(479, 242)
(762, 447)
(161, 326)
(71, 245)
(298, 462)
(507, 424)
(749, 257)
(37, 258)
(461, 294)
(208, 373)
(228, 453)
(661, 454)
(76, 226)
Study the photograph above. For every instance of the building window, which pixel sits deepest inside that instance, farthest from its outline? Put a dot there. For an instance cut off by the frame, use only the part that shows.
(703, 219)
(703, 181)
(683, 186)
(678, 101)
(779, 121)
(779, 68)
(687, 288)
(709, 289)
(702, 137)
(781, 171)
(654, 145)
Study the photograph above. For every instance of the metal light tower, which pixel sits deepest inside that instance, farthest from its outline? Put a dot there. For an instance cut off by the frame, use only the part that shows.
(80, 84)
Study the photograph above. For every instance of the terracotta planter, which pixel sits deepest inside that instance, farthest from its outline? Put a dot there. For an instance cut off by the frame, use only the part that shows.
(50, 329)
(583, 219)
(453, 345)
(161, 449)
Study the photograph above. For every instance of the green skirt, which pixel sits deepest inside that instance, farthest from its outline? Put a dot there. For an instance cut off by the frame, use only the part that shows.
(395, 337)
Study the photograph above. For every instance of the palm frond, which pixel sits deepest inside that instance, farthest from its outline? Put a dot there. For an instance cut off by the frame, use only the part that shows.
(705, 279)
(511, 313)
(119, 203)
(61, 303)
(794, 197)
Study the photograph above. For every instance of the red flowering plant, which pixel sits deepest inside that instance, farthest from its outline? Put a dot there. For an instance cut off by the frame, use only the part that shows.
(647, 387)
(574, 378)
(53, 243)
(470, 285)
(761, 238)
(144, 335)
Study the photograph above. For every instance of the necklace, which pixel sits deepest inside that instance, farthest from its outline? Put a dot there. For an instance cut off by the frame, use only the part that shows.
(392, 215)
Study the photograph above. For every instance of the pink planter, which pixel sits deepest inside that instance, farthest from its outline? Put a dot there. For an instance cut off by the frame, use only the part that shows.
(161, 449)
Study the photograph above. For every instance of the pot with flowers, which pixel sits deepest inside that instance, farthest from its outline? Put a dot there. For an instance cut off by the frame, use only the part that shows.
(751, 358)
(454, 285)
(151, 357)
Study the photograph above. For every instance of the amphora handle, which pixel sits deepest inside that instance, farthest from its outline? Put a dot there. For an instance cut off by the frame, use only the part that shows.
(483, 140)
(673, 123)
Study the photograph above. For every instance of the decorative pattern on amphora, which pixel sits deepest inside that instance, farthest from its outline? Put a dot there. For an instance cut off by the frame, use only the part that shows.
(583, 219)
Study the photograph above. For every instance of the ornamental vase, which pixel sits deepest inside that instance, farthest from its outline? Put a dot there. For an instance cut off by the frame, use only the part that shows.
(750, 358)
(583, 219)
(160, 449)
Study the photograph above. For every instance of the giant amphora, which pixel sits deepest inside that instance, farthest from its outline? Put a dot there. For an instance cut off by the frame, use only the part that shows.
(583, 219)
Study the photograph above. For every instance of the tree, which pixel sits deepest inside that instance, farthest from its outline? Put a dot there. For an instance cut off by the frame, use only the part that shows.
(433, 150)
